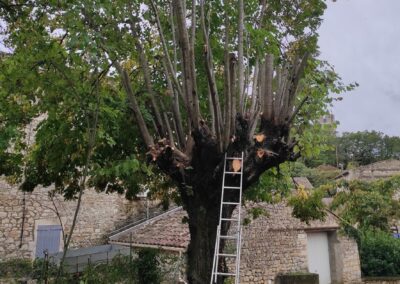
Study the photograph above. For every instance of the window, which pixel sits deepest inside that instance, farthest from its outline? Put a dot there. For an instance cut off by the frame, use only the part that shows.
(48, 238)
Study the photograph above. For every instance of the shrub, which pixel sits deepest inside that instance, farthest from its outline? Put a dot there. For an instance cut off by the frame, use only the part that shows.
(148, 266)
(16, 268)
(379, 253)
(123, 269)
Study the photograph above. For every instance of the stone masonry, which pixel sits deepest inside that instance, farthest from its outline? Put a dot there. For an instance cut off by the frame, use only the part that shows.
(277, 243)
(100, 214)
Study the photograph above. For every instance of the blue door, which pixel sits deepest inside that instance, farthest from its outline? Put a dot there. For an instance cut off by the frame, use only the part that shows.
(48, 238)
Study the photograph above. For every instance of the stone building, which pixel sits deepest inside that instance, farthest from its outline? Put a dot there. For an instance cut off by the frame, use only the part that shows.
(29, 222)
(374, 171)
(272, 244)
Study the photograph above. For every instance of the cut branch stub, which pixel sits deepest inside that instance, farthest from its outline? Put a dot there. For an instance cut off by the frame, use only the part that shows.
(236, 165)
(261, 153)
(259, 137)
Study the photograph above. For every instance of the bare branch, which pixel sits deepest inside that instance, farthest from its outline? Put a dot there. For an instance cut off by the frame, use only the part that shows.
(168, 125)
(144, 64)
(240, 56)
(296, 111)
(233, 93)
(187, 63)
(171, 69)
(254, 91)
(267, 88)
(172, 23)
(216, 109)
(148, 140)
(175, 111)
(298, 74)
(193, 25)
(227, 85)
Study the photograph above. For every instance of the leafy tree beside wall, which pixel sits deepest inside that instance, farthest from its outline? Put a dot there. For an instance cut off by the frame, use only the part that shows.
(368, 211)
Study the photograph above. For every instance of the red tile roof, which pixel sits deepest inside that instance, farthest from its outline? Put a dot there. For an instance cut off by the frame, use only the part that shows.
(169, 232)
(166, 230)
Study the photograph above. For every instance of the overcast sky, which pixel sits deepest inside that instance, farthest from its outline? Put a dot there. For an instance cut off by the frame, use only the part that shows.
(361, 38)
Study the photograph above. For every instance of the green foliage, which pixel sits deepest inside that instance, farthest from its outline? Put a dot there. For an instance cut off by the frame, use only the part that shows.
(123, 269)
(60, 70)
(369, 206)
(353, 149)
(317, 176)
(147, 267)
(254, 213)
(15, 268)
(379, 253)
(367, 147)
(120, 270)
(307, 205)
(26, 268)
(272, 186)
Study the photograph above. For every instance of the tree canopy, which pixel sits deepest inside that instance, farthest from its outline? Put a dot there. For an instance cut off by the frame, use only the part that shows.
(357, 149)
(174, 83)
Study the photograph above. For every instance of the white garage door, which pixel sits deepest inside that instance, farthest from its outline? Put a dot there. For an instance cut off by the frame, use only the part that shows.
(318, 256)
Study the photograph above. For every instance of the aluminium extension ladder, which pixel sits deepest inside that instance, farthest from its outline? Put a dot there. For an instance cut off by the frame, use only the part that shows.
(236, 191)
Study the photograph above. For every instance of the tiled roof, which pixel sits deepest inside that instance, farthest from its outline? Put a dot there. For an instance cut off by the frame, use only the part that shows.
(169, 232)
(302, 181)
(166, 230)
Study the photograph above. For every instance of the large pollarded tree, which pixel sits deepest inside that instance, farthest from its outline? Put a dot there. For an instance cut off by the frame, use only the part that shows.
(183, 81)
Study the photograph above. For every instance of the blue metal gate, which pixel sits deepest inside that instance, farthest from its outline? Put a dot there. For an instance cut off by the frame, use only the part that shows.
(48, 238)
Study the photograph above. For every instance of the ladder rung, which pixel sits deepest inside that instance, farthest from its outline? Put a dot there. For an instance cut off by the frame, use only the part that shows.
(234, 158)
(230, 219)
(234, 173)
(230, 203)
(231, 187)
(226, 237)
(226, 274)
(227, 255)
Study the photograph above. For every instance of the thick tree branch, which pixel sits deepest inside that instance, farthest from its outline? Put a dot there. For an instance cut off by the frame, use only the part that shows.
(296, 111)
(193, 25)
(148, 140)
(187, 63)
(254, 91)
(227, 85)
(216, 109)
(298, 74)
(267, 88)
(240, 56)
(144, 64)
(233, 93)
(176, 111)
(171, 69)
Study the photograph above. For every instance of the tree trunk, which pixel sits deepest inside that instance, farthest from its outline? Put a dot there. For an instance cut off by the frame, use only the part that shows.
(203, 227)
(203, 222)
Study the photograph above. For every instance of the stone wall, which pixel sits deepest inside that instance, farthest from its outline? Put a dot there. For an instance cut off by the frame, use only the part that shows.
(99, 215)
(378, 170)
(267, 253)
(383, 280)
(277, 244)
(351, 260)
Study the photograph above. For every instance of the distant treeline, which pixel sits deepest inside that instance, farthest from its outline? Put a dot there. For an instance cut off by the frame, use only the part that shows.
(358, 148)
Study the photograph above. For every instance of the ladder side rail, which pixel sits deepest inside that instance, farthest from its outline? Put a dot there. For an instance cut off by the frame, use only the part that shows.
(239, 244)
(218, 240)
(239, 241)
(222, 193)
(215, 264)
(215, 256)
